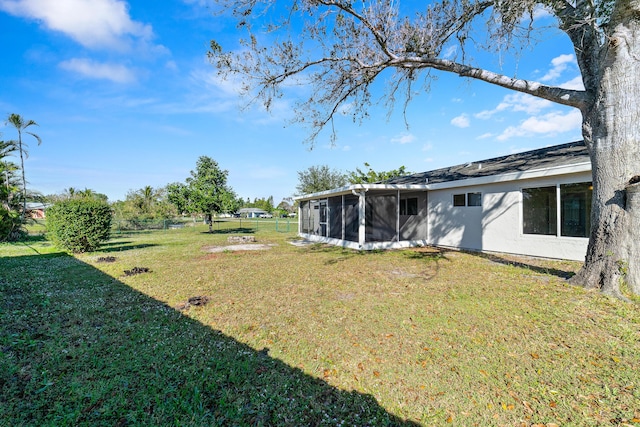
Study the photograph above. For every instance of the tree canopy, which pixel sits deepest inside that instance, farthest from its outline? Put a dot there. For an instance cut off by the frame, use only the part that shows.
(370, 176)
(339, 48)
(205, 191)
(319, 178)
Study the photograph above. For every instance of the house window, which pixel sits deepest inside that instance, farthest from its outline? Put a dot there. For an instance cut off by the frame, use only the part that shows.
(409, 206)
(469, 199)
(459, 200)
(539, 211)
(474, 199)
(575, 209)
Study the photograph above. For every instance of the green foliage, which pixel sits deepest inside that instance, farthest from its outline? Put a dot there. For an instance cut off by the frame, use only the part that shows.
(260, 203)
(79, 225)
(370, 176)
(147, 203)
(21, 126)
(206, 190)
(178, 195)
(10, 221)
(319, 178)
(10, 225)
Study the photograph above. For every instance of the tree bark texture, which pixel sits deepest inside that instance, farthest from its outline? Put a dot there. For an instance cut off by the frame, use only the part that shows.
(612, 133)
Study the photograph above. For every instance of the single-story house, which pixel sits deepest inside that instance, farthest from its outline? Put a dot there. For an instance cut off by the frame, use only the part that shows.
(37, 210)
(534, 203)
(251, 212)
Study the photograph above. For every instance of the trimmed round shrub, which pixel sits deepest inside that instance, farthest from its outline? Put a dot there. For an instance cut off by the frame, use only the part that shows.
(79, 225)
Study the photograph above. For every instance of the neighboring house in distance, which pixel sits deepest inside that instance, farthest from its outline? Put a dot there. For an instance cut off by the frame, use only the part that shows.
(37, 210)
(251, 212)
(534, 203)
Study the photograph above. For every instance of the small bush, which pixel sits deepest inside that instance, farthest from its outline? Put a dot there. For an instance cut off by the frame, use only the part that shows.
(79, 225)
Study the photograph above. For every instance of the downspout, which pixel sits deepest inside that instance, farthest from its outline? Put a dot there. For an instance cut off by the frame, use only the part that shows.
(361, 215)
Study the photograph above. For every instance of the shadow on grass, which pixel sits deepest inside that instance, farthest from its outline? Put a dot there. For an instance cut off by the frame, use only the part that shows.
(427, 253)
(81, 348)
(497, 258)
(339, 253)
(242, 230)
(122, 246)
(33, 238)
(421, 253)
(31, 244)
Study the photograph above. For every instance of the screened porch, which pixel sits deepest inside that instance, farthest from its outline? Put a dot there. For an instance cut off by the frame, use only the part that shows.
(366, 219)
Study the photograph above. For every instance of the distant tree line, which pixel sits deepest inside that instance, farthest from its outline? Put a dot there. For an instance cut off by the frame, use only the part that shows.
(203, 194)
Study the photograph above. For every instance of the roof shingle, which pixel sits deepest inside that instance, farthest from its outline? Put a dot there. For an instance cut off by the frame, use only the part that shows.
(557, 155)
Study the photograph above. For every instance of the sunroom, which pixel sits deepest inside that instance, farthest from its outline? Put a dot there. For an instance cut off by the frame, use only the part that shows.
(366, 216)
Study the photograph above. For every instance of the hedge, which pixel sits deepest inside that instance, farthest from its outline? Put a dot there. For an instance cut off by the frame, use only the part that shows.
(79, 225)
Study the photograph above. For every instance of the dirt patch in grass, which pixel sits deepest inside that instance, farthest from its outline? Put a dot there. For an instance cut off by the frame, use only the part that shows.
(239, 247)
(136, 270)
(200, 300)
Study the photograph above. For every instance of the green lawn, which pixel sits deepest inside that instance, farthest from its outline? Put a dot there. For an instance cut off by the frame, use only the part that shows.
(311, 335)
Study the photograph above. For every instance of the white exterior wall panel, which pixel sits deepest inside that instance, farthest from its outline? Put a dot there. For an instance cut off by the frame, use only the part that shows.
(496, 226)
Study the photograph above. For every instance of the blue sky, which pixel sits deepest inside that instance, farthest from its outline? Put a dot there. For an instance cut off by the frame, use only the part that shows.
(125, 98)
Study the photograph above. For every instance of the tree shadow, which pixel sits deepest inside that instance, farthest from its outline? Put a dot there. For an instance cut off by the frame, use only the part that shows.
(83, 348)
(237, 230)
(33, 238)
(503, 259)
(428, 253)
(123, 246)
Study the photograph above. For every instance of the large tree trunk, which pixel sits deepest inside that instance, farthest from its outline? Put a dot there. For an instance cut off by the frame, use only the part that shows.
(612, 132)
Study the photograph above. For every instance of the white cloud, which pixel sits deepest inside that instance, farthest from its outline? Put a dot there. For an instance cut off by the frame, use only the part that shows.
(92, 23)
(574, 84)
(559, 65)
(404, 138)
(171, 65)
(427, 147)
(229, 87)
(541, 12)
(462, 121)
(115, 72)
(516, 102)
(548, 124)
(450, 52)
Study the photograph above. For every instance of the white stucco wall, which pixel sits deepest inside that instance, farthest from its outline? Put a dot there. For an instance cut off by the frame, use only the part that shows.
(496, 226)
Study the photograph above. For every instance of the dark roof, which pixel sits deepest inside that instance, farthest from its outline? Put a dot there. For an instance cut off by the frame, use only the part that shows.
(557, 155)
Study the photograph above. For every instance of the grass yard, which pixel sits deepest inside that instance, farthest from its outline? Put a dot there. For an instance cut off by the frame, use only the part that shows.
(310, 335)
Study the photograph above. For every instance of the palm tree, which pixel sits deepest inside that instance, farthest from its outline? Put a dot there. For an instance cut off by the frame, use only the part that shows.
(148, 198)
(21, 125)
(7, 172)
